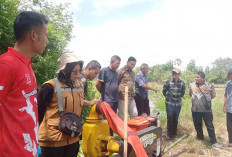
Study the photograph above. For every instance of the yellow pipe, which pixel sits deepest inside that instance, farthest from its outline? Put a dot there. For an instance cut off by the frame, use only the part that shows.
(93, 115)
(113, 146)
(96, 139)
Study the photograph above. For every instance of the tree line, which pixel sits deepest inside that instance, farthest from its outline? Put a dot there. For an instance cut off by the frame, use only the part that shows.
(216, 74)
(59, 28)
(60, 33)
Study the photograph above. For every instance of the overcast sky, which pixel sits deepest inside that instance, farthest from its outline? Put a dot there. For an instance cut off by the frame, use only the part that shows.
(153, 31)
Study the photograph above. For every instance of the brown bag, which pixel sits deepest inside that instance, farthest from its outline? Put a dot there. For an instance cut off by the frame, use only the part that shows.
(70, 123)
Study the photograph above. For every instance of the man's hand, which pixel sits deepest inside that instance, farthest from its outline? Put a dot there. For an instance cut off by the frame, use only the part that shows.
(155, 90)
(225, 100)
(224, 109)
(150, 88)
(91, 103)
(95, 101)
(98, 86)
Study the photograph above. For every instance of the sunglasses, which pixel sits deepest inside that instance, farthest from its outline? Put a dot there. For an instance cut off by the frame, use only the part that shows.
(174, 73)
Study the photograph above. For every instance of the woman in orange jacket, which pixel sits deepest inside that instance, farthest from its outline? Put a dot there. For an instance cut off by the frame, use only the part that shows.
(53, 142)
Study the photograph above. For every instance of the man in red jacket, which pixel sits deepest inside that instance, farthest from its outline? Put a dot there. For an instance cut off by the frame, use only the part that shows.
(18, 88)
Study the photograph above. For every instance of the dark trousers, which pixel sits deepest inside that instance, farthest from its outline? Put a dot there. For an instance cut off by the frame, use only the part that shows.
(229, 125)
(64, 151)
(114, 106)
(208, 119)
(172, 119)
(142, 105)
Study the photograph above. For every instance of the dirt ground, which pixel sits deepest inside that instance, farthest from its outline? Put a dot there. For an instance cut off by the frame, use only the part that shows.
(191, 147)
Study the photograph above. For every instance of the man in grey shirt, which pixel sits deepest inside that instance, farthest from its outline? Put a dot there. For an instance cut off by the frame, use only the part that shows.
(228, 106)
(202, 93)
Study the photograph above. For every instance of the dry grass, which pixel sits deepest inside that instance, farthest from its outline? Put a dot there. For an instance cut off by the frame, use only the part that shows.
(190, 146)
(219, 86)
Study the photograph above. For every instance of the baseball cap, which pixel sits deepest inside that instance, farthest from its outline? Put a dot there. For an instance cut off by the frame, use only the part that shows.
(176, 70)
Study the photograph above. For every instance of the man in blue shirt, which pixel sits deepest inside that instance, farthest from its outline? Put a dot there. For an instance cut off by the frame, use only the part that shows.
(141, 91)
(228, 106)
(107, 83)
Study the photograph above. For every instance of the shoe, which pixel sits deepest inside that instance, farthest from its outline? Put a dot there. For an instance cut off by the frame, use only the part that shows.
(216, 145)
(227, 145)
(174, 137)
(169, 138)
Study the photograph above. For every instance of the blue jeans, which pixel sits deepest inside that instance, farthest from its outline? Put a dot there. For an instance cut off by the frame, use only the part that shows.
(172, 119)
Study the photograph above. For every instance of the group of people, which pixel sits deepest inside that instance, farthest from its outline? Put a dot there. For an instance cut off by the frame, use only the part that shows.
(52, 141)
(201, 93)
(111, 84)
(27, 117)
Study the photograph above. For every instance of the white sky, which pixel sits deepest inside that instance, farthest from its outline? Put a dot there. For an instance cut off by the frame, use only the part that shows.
(185, 29)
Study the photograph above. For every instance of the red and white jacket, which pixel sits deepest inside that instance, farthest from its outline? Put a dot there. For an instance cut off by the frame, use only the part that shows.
(18, 106)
